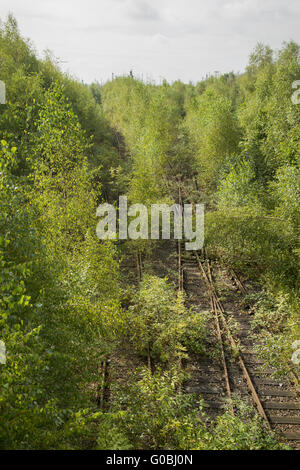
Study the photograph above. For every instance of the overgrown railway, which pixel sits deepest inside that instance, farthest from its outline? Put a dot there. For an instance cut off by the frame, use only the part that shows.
(236, 370)
(231, 367)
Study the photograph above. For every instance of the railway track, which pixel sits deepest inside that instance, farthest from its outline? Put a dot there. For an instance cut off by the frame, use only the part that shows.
(236, 370)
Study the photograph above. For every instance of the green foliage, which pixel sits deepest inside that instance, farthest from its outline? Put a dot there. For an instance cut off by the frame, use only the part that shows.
(110, 437)
(233, 142)
(243, 431)
(276, 324)
(27, 413)
(160, 324)
(154, 414)
(60, 142)
(213, 131)
(151, 412)
(149, 118)
(195, 332)
(59, 306)
(239, 188)
(285, 190)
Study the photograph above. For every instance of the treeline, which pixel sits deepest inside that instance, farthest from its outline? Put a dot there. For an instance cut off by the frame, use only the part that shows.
(234, 140)
(231, 142)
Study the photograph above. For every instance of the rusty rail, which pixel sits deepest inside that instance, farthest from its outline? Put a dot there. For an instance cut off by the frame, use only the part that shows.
(219, 334)
(220, 309)
(238, 282)
(179, 247)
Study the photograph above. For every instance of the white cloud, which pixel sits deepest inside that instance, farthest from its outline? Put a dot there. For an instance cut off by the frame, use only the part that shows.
(140, 10)
(171, 38)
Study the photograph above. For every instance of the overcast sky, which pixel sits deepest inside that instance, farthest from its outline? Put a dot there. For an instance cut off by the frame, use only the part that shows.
(155, 38)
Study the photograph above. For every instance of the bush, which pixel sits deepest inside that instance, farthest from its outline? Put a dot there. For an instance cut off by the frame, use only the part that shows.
(243, 431)
(159, 323)
(154, 414)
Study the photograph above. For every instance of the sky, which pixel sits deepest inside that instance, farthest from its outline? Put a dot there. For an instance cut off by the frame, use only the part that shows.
(156, 39)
